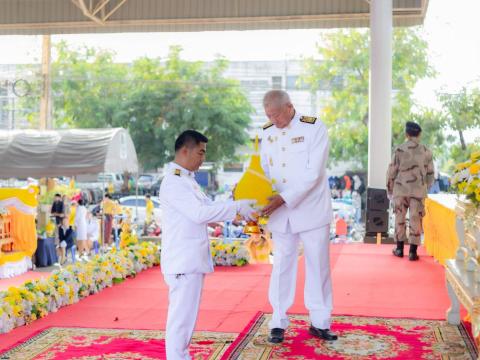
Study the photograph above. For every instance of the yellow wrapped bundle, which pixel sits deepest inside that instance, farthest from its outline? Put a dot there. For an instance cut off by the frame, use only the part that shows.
(254, 184)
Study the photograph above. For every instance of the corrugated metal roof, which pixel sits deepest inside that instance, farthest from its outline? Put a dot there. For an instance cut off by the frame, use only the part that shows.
(66, 16)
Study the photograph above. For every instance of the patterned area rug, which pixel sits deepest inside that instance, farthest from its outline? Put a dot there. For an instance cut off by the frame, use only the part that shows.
(92, 344)
(359, 338)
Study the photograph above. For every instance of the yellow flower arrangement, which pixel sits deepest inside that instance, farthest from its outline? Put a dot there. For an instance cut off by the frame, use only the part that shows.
(466, 179)
(35, 299)
(228, 254)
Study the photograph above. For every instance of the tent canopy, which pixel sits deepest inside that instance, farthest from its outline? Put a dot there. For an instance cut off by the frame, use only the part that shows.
(49, 153)
(117, 16)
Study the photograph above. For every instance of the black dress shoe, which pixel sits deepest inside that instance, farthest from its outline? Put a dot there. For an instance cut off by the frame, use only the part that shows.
(276, 335)
(398, 251)
(324, 334)
(412, 254)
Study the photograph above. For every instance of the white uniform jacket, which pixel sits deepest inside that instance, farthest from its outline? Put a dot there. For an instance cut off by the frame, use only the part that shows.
(186, 211)
(295, 159)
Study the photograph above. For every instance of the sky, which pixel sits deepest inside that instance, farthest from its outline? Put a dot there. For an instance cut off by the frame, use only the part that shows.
(452, 30)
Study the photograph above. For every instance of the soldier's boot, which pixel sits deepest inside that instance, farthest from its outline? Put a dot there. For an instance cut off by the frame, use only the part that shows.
(398, 251)
(412, 253)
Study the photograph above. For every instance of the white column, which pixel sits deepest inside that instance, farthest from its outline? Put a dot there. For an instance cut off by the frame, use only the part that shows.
(45, 100)
(380, 110)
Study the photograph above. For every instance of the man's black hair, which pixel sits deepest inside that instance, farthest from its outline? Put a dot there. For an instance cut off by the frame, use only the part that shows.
(107, 195)
(412, 129)
(189, 138)
(57, 194)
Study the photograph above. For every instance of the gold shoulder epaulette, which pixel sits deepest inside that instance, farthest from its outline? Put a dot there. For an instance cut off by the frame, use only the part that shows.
(177, 172)
(267, 125)
(308, 119)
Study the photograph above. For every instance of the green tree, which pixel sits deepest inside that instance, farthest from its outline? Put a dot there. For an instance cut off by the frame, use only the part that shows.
(88, 88)
(177, 95)
(154, 99)
(343, 70)
(462, 112)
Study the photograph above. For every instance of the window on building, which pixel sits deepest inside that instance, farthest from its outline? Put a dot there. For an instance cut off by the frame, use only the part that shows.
(294, 82)
(276, 82)
(291, 82)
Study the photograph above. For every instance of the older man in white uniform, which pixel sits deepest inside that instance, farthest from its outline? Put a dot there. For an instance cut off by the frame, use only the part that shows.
(185, 257)
(294, 155)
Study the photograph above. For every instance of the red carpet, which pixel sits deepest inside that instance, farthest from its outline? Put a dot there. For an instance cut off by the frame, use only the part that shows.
(367, 280)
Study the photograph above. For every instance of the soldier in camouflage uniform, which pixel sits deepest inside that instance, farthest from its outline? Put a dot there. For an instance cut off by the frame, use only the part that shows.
(409, 176)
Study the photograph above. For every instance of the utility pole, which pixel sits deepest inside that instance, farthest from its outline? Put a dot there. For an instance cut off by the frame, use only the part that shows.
(45, 101)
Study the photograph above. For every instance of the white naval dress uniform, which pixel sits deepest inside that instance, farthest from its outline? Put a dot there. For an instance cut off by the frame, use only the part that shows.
(185, 255)
(295, 159)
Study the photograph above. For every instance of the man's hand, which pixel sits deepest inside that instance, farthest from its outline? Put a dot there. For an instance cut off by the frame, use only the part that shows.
(245, 209)
(275, 202)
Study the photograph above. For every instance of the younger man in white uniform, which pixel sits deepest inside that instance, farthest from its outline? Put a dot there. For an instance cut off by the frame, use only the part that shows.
(185, 257)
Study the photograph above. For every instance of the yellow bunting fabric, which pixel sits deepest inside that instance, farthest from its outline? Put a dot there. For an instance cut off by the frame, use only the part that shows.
(440, 235)
(24, 231)
(24, 199)
(22, 206)
(12, 257)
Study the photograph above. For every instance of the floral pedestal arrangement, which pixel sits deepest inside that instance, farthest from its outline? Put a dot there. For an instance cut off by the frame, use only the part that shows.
(228, 254)
(463, 272)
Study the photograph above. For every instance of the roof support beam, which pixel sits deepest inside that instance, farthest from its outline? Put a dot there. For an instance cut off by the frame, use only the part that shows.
(98, 12)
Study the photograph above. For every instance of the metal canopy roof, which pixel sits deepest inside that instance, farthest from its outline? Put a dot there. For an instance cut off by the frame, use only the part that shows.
(108, 16)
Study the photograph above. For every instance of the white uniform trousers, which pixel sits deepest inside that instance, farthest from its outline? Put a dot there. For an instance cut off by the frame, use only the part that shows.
(184, 293)
(318, 283)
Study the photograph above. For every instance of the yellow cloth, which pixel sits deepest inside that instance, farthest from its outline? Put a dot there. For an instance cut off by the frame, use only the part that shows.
(12, 257)
(254, 184)
(108, 207)
(71, 218)
(117, 209)
(26, 196)
(111, 188)
(24, 231)
(440, 235)
(149, 211)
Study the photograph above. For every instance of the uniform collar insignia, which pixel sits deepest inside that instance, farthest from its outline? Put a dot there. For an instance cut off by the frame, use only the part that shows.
(177, 170)
(267, 125)
(308, 119)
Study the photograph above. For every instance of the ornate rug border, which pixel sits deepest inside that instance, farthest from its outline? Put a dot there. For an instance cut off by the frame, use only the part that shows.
(234, 352)
(9, 351)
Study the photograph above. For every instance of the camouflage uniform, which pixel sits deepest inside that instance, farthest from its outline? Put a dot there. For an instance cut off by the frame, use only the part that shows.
(410, 174)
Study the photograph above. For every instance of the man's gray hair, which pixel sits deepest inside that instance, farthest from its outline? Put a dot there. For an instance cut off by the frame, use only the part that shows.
(276, 98)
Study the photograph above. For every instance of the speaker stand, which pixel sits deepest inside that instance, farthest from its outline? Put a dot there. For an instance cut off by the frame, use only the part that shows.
(373, 238)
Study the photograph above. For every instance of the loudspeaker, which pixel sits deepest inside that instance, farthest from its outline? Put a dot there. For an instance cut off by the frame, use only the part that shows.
(377, 221)
(377, 199)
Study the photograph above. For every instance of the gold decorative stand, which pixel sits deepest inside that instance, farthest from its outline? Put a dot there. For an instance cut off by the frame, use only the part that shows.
(462, 274)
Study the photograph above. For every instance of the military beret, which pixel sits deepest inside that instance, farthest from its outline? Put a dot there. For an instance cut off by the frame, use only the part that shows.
(412, 128)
